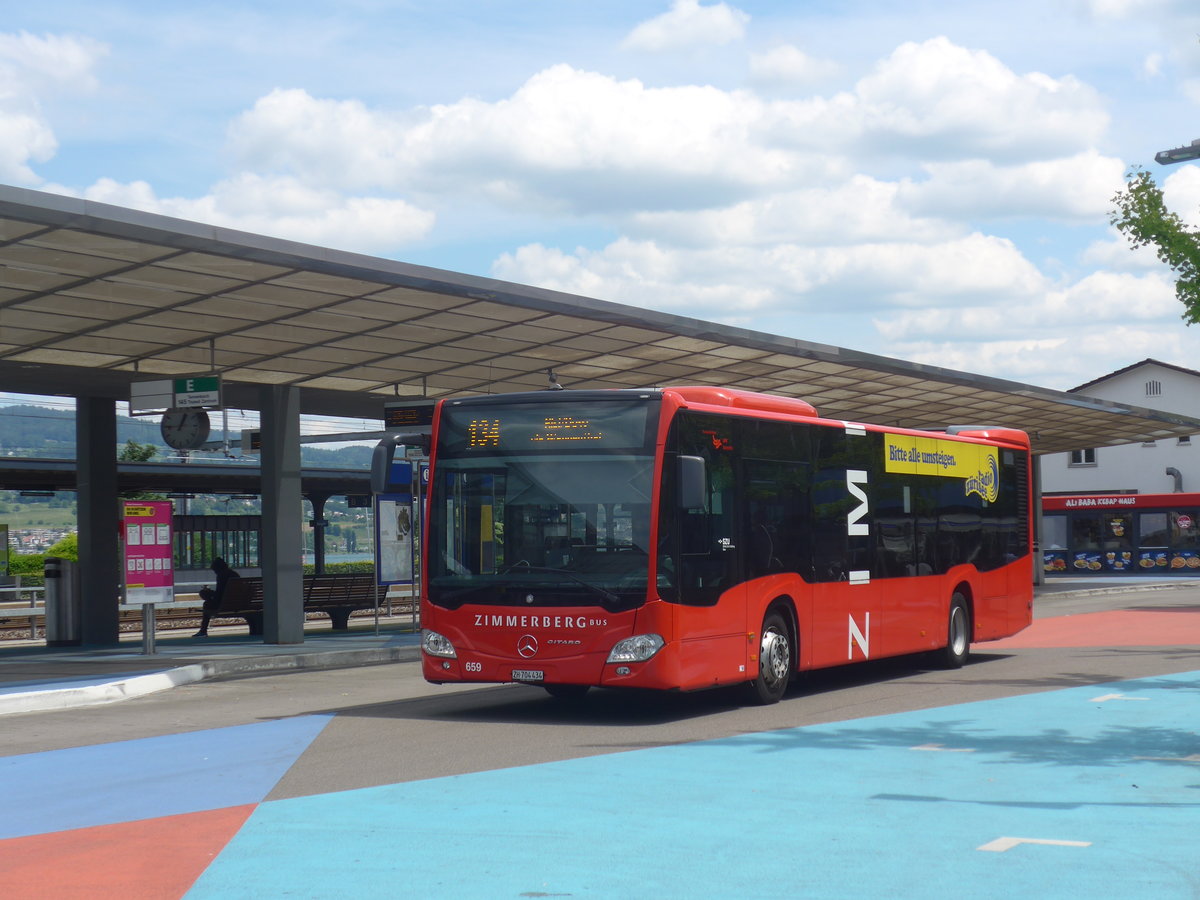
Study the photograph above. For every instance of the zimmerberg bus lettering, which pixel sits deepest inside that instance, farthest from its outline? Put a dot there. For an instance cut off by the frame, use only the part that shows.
(483, 620)
(854, 525)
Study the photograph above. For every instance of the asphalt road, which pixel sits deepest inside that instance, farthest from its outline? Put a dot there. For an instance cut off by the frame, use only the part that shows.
(392, 727)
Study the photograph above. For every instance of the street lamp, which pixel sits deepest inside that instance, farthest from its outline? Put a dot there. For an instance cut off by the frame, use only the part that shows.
(1179, 154)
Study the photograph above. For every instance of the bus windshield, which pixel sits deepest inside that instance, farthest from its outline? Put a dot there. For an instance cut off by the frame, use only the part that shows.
(539, 506)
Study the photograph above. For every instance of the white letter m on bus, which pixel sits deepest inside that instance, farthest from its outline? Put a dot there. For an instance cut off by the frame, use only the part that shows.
(854, 523)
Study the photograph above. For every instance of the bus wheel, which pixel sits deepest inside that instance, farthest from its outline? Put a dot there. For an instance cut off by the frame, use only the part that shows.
(958, 634)
(566, 691)
(774, 660)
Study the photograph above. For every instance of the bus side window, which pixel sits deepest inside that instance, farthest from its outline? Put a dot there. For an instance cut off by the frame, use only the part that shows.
(777, 505)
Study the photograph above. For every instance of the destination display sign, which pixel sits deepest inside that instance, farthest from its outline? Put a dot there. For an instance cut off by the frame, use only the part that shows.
(408, 416)
(563, 427)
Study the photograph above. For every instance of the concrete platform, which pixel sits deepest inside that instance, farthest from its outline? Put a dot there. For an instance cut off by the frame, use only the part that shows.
(34, 677)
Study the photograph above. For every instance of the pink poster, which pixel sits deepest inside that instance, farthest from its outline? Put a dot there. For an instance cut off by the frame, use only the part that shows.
(149, 569)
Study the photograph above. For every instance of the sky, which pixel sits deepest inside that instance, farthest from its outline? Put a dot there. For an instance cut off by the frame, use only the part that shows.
(930, 181)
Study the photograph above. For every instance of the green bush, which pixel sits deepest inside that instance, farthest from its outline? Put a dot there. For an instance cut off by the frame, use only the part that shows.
(30, 566)
(365, 565)
(66, 548)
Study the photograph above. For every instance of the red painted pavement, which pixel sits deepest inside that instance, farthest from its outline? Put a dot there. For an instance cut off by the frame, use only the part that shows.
(152, 859)
(1118, 628)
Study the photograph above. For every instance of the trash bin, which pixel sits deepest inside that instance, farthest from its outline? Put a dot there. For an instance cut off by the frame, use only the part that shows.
(64, 607)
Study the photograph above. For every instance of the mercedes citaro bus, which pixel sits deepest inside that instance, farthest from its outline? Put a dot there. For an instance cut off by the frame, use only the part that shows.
(685, 538)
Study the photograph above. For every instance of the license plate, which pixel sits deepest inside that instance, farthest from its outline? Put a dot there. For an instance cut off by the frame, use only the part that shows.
(528, 675)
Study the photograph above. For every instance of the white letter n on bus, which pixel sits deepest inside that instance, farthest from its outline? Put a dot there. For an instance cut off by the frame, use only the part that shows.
(857, 637)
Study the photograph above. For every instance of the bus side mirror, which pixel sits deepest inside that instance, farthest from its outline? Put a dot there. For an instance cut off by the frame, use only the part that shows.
(385, 452)
(693, 483)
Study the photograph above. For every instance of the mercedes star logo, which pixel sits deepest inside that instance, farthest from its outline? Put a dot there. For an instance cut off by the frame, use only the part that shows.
(527, 646)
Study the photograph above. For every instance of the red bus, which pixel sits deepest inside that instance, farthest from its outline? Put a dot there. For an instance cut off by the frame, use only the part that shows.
(685, 538)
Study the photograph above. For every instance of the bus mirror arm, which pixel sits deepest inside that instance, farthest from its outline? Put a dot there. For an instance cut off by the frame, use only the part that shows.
(693, 482)
(385, 452)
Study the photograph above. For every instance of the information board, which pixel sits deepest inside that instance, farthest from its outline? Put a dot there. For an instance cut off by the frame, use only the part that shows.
(149, 564)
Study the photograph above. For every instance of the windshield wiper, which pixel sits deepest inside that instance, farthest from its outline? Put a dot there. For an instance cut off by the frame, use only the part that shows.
(445, 599)
(595, 588)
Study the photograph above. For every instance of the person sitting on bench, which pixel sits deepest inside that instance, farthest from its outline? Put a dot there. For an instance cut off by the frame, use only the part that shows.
(213, 596)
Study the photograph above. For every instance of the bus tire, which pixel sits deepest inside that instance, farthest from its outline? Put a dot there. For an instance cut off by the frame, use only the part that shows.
(958, 634)
(566, 692)
(775, 659)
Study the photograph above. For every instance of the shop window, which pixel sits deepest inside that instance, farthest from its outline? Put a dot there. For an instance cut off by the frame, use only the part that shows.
(1185, 534)
(1118, 531)
(1152, 527)
(1054, 532)
(1086, 532)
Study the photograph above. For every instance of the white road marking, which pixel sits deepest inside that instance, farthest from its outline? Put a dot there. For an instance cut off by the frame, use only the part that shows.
(1106, 697)
(943, 748)
(999, 845)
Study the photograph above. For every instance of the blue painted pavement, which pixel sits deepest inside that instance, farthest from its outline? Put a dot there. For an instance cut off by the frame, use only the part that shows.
(161, 776)
(1079, 792)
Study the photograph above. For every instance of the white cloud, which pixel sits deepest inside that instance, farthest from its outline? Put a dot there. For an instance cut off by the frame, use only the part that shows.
(688, 24)
(790, 66)
(1181, 192)
(1117, 255)
(1051, 358)
(946, 101)
(566, 139)
(639, 272)
(24, 138)
(580, 142)
(1100, 300)
(30, 68)
(1078, 187)
(283, 207)
(339, 142)
(734, 280)
(858, 209)
(31, 62)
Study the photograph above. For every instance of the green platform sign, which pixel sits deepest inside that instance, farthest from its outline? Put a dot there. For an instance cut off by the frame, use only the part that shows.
(197, 392)
(192, 392)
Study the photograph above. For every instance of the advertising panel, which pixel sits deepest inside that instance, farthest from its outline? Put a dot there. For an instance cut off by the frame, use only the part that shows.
(977, 465)
(394, 529)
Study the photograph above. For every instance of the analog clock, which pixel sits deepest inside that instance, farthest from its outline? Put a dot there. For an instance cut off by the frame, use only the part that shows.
(184, 429)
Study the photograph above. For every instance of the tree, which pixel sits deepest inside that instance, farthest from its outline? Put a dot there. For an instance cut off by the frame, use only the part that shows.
(1142, 216)
(135, 452)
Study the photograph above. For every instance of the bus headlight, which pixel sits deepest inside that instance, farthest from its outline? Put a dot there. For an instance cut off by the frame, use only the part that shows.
(638, 648)
(436, 645)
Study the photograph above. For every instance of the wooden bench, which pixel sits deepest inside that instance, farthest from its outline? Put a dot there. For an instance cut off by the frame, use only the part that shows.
(337, 595)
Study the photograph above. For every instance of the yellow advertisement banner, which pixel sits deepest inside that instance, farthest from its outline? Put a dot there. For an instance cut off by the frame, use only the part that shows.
(977, 465)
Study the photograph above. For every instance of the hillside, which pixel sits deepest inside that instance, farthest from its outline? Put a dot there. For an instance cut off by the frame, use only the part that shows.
(30, 431)
(41, 432)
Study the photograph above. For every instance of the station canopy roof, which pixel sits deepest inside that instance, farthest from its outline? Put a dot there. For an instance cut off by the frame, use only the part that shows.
(94, 297)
